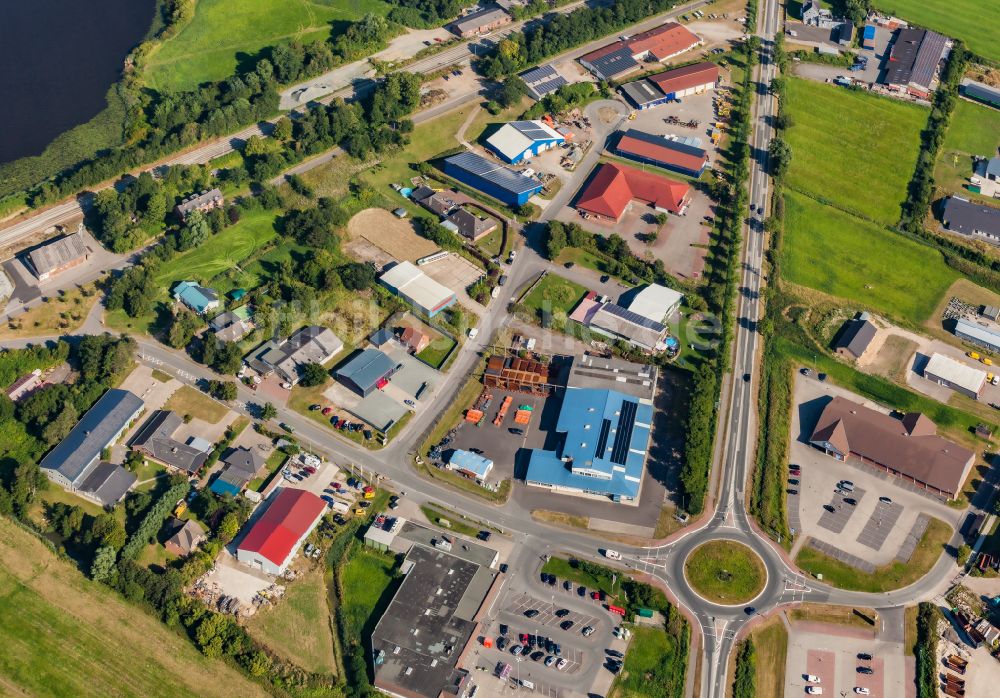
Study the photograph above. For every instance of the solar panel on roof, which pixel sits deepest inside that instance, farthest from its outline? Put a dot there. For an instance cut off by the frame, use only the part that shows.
(623, 434)
(501, 176)
(634, 318)
(616, 62)
(550, 85)
(544, 72)
(602, 441)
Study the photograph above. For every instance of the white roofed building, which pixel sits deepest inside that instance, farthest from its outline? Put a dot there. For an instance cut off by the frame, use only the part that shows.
(956, 375)
(517, 141)
(423, 292)
(656, 302)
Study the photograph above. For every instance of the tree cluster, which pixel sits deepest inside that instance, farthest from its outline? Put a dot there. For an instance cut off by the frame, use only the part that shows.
(745, 680)
(426, 14)
(153, 520)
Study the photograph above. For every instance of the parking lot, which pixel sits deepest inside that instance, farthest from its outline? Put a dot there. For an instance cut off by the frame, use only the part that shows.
(830, 653)
(871, 532)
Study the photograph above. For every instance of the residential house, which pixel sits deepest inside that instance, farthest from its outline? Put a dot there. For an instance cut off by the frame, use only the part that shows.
(232, 325)
(203, 201)
(25, 385)
(155, 439)
(240, 466)
(855, 337)
(971, 219)
(312, 344)
(414, 340)
(185, 538)
(198, 298)
(471, 226)
(482, 22)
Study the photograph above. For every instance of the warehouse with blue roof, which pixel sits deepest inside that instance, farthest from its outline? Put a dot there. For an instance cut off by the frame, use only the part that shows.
(604, 452)
(518, 141)
(470, 464)
(503, 184)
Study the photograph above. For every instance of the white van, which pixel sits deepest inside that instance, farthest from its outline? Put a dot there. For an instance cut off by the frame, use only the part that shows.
(612, 555)
(527, 684)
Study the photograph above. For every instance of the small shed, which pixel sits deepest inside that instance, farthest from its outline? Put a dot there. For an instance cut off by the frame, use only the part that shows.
(400, 212)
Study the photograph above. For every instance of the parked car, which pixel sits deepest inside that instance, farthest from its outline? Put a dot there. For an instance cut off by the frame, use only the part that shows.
(531, 613)
(885, 499)
(566, 624)
(327, 411)
(550, 660)
(537, 656)
(865, 670)
(587, 631)
(792, 481)
(516, 431)
(581, 591)
(562, 613)
(862, 691)
(811, 679)
(561, 664)
(516, 650)
(568, 585)
(850, 500)
(864, 656)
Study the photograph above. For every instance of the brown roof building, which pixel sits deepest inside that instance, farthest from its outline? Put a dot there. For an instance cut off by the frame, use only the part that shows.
(58, 255)
(470, 225)
(909, 447)
(203, 201)
(523, 375)
(414, 339)
(682, 81)
(186, 536)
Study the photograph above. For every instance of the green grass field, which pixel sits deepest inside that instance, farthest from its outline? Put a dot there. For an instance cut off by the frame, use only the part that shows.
(224, 31)
(963, 19)
(725, 572)
(844, 256)
(554, 295)
(854, 150)
(565, 569)
(974, 130)
(648, 664)
(64, 635)
(366, 577)
(220, 252)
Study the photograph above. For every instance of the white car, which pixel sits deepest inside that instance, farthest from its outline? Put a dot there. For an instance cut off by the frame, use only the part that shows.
(812, 679)
(814, 690)
(612, 555)
(561, 664)
(473, 331)
(862, 691)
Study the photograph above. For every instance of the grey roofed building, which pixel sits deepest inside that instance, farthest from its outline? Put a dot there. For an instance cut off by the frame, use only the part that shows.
(420, 193)
(232, 326)
(855, 337)
(470, 225)
(418, 641)
(381, 336)
(981, 92)
(203, 201)
(441, 203)
(971, 219)
(915, 55)
(622, 323)
(600, 373)
(247, 459)
(366, 370)
(642, 92)
(74, 458)
(487, 19)
(980, 334)
(186, 536)
(156, 439)
(107, 483)
(542, 80)
(311, 344)
(993, 169)
(58, 254)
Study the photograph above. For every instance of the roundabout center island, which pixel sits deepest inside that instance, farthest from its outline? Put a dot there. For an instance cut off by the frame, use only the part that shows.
(725, 572)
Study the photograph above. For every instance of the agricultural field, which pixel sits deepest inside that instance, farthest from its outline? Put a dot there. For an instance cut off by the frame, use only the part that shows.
(225, 32)
(105, 646)
(974, 130)
(844, 256)
(962, 19)
(853, 150)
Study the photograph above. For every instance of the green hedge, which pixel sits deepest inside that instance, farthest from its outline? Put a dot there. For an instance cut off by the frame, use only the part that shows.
(745, 682)
(927, 617)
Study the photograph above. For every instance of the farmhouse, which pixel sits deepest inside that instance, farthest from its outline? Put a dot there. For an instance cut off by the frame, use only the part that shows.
(155, 439)
(612, 187)
(418, 289)
(471, 226)
(430, 623)
(971, 219)
(75, 465)
(956, 375)
(604, 452)
(367, 371)
(313, 344)
(855, 337)
(908, 448)
(656, 302)
(623, 56)
(981, 92)
(542, 81)
(517, 141)
(273, 539)
(204, 201)
(663, 152)
(512, 188)
(913, 61)
(58, 255)
(986, 336)
(523, 375)
(185, 538)
(470, 464)
(240, 467)
(196, 297)
(481, 22)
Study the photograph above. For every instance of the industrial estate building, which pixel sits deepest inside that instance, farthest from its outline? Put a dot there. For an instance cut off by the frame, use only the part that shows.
(972, 219)
(909, 447)
(672, 154)
(471, 465)
(416, 288)
(542, 81)
(75, 463)
(962, 378)
(913, 60)
(671, 85)
(503, 184)
(313, 344)
(623, 56)
(272, 539)
(517, 141)
(367, 371)
(613, 187)
(58, 255)
(656, 303)
(618, 323)
(981, 92)
(986, 336)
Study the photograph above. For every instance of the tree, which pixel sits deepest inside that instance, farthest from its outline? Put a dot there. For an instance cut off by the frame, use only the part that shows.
(195, 231)
(183, 325)
(103, 564)
(784, 121)
(512, 91)
(222, 390)
(283, 129)
(963, 554)
(781, 156)
(313, 374)
(108, 531)
(256, 145)
(228, 527)
(660, 218)
(60, 427)
(356, 276)
(268, 411)
(556, 239)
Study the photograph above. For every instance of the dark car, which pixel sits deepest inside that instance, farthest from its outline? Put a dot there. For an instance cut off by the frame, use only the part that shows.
(532, 640)
(605, 278)
(851, 501)
(821, 376)
(791, 490)
(557, 649)
(746, 377)
(569, 265)
(531, 613)
(581, 590)
(566, 624)
(886, 500)
(515, 430)
(792, 481)
(614, 653)
(504, 629)
(501, 643)
(549, 645)
(865, 670)
(829, 508)
(537, 656)
(562, 613)
(503, 568)
(484, 535)
(864, 656)
(749, 610)
(568, 585)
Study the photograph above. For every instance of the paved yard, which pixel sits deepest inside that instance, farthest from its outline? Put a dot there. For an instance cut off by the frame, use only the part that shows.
(830, 653)
(457, 273)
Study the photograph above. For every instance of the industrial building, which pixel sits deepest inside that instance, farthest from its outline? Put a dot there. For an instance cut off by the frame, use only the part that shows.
(75, 463)
(971, 219)
(656, 303)
(517, 141)
(908, 447)
(671, 85)
(855, 337)
(604, 452)
(623, 56)
(505, 185)
(482, 22)
(416, 288)
(913, 61)
(313, 344)
(986, 336)
(367, 371)
(58, 255)
(273, 538)
(663, 152)
(618, 323)
(613, 187)
(542, 81)
(960, 377)
(155, 439)
(471, 465)
(981, 92)
(521, 375)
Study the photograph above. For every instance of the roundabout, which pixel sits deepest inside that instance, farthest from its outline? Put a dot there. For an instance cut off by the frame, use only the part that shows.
(725, 572)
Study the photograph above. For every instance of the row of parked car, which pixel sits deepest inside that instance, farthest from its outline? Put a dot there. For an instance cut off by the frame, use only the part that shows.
(343, 424)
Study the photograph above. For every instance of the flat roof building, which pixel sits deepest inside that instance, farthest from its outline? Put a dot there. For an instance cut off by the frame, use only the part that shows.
(155, 439)
(517, 141)
(971, 219)
(313, 344)
(470, 464)
(512, 188)
(909, 447)
(367, 371)
(855, 337)
(656, 303)
(58, 255)
(613, 187)
(74, 464)
(662, 152)
(630, 378)
(416, 288)
(542, 81)
(946, 371)
(272, 540)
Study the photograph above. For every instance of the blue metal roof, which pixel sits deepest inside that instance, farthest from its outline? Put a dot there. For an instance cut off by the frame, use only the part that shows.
(195, 296)
(869, 31)
(607, 433)
(471, 462)
(499, 175)
(367, 368)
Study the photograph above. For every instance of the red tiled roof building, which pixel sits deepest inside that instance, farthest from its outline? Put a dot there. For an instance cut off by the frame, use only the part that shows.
(613, 186)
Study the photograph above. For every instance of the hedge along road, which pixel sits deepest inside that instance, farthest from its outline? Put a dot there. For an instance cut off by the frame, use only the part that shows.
(725, 572)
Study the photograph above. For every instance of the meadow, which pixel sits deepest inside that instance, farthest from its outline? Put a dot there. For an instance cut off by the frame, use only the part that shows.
(963, 19)
(224, 32)
(851, 149)
(844, 256)
(974, 130)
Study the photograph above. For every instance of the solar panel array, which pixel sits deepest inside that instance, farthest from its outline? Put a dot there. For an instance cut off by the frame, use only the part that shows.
(479, 166)
(602, 441)
(634, 318)
(544, 72)
(614, 63)
(531, 130)
(623, 434)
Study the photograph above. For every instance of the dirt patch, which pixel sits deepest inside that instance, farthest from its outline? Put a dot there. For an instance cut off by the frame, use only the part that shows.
(395, 237)
(608, 115)
(892, 359)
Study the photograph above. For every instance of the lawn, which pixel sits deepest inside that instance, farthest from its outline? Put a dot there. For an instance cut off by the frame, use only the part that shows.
(974, 130)
(437, 351)
(455, 521)
(367, 579)
(895, 575)
(298, 626)
(844, 256)
(567, 569)
(60, 314)
(855, 150)
(225, 32)
(838, 615)
(274, 462)
(771, 642)
(962, 19)
(187, 400)
(651, 666)
(105, 646)
(553, 297)
(725, 572)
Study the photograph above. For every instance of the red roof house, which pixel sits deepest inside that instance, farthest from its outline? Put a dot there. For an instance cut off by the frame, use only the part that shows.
(683, 79)
(613, 186)
(274, 538)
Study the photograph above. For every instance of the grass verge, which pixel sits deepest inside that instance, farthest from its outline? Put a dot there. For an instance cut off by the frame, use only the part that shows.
(725, 572)
(838, 615)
